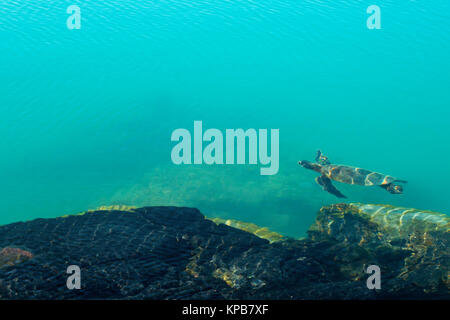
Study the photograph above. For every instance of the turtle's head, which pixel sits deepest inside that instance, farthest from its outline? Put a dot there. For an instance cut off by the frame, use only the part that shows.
(309, 165)
(395, 188)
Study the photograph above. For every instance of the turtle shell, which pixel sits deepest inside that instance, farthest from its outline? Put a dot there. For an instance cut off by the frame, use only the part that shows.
(358, 176)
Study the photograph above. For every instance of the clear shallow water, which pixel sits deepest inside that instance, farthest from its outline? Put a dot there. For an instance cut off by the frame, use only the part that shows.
(86, 115)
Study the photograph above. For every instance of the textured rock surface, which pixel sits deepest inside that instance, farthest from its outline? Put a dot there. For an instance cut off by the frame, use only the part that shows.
(261, 232)
(13, 256)
(175, 253)
(410, 246)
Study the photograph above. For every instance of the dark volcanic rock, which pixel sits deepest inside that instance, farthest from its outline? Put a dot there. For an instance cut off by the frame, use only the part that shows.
(175, 253)
(13, 256)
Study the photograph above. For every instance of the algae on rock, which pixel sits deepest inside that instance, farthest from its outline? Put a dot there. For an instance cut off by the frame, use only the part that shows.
(261, 232)
(177, 253)
(410, 244)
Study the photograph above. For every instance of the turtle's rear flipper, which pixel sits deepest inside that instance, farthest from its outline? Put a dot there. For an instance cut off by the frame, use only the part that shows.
(328, 186)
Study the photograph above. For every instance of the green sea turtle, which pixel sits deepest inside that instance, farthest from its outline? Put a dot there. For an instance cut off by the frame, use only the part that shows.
(349, 175)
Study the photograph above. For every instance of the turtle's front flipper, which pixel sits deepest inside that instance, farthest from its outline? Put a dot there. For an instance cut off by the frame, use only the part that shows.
(321, 158)
(328, 186)
(318, 154)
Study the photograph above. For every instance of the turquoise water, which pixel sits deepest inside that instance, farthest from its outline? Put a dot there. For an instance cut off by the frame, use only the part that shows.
(87, 115)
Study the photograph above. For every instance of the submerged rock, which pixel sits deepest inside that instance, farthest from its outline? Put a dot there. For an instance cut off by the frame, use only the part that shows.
(12, 256)
(261, 232)
(411, 245)
(176, 253)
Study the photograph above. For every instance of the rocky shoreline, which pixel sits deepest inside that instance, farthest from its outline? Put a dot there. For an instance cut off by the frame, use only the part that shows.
(177, 253)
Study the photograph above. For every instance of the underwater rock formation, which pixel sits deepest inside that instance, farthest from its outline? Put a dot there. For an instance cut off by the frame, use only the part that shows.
(176, 253)
(261, 232)
(411, 246)
(13, 256)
